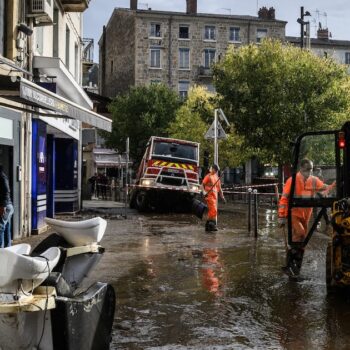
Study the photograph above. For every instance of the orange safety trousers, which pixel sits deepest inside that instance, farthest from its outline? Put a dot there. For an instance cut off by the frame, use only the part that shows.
(212, 185)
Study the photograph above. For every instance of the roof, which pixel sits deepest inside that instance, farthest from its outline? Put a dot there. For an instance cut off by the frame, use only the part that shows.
(320, 42)
(204, 15)
(167, 139)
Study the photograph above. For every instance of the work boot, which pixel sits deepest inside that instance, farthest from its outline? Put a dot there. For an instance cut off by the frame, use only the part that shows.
(294, 261)
(207, 225)
(212, 226)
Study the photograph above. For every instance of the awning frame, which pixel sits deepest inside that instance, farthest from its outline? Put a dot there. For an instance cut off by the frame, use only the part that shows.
(26, 92)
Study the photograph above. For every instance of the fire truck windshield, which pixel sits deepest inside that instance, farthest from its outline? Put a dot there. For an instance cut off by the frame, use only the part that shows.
(175, 150)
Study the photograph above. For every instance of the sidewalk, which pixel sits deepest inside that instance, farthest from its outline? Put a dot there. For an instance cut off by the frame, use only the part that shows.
(106, 207)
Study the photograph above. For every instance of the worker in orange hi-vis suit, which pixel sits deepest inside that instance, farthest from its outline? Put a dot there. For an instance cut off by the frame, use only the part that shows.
(211, 186)
(306, 186)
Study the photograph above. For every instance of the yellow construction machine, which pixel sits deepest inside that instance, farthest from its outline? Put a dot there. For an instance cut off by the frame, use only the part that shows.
(330, 153)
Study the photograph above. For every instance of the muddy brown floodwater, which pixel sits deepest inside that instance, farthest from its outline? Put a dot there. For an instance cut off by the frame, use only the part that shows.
(178, 287)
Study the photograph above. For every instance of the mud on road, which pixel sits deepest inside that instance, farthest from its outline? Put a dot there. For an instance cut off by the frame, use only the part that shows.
(181, 288)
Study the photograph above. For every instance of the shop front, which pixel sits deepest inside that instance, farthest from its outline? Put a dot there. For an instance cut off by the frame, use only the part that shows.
(10, 136)
(55, 146)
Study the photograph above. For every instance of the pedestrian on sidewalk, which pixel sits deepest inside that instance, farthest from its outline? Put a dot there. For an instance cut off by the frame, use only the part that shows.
(6, 210)
(211, 187)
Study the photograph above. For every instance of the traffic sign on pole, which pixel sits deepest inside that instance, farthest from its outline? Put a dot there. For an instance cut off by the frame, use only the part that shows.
(210, 134)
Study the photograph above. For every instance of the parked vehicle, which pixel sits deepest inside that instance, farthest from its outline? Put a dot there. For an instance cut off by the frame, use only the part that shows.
(168, 175)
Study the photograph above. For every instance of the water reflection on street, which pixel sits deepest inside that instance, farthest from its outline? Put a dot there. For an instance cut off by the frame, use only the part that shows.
(192, 290)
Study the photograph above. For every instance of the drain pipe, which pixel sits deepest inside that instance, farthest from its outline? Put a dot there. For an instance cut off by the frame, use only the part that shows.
(170, 52)
(248, 32)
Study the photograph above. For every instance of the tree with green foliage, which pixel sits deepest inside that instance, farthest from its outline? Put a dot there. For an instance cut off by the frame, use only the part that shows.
(274, 92)
(140, 113)
(194, 118)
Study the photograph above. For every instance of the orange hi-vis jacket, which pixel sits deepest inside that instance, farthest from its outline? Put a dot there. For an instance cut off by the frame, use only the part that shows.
(304, 188)
(208, 182)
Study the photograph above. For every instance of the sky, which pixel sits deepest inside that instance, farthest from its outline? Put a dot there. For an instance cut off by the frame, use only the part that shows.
(334, 14)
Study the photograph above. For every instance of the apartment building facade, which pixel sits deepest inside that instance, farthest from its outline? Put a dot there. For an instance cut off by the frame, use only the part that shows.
(141, 47)
(324, 46)
(42, 108)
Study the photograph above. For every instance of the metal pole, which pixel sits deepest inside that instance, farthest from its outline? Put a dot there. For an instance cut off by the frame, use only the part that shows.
(302, 27)
(126, 175)
(249, 209)
(216, 156)
(256, 211)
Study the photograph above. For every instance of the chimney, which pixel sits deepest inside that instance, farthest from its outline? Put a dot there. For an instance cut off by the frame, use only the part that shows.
(191, 7)
(133, 4)
(323, 34)
(265, 13)
(272, 13)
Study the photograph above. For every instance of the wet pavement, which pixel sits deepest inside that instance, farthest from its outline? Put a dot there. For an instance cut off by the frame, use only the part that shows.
(181, 288)
(178, 287)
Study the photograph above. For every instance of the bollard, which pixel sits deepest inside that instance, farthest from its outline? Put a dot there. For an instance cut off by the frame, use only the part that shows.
(256, 212)
(249, 209)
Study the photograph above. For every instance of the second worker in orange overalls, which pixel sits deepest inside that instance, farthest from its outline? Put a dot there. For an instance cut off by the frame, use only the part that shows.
(211, 186)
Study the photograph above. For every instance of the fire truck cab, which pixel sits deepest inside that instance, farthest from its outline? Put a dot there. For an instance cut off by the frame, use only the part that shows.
(168, 176)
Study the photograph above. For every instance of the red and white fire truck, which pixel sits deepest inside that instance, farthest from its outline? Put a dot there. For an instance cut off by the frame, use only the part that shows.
(168, 176)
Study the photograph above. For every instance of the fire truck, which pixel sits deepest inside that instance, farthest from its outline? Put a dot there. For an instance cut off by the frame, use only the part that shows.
(168, 176)
(330, 153)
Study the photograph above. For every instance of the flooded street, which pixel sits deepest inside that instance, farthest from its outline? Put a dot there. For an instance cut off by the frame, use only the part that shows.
(181, 288)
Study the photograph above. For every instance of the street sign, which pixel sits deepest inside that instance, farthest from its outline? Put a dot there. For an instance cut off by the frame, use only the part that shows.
(210, 134)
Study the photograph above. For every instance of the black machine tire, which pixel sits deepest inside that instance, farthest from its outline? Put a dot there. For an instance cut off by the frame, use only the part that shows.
(141, 201)
(329, 269)
(132, 203)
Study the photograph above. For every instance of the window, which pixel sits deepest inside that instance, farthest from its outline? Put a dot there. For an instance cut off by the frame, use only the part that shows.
(55, 33)
(184, 32)
(183, 88)
(210, 88)
(234, 34)
(39, 40)
(155, 58)
(260, 35)
(209, 57)
(155, 30)
(184, 58)
(347, 57)
(2, 27)
(67, 46)
(209, 33)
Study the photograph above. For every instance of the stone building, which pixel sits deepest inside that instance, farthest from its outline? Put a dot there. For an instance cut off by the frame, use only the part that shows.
(140, 47)
(325, 46)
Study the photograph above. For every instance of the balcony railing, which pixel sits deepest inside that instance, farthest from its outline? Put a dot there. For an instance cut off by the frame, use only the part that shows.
(204, 72)
(75, 5)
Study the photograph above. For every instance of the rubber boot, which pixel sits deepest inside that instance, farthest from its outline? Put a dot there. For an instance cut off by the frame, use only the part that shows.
(294, 261)
(212, 225)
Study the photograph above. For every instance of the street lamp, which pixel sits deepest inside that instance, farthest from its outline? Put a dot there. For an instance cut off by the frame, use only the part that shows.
(302, 24)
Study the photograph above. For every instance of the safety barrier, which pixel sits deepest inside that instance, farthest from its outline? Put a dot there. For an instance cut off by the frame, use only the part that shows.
(252, 198)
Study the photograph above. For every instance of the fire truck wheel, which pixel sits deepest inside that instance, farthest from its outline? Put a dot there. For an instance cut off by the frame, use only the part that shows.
(132, 203)
(141, 201)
